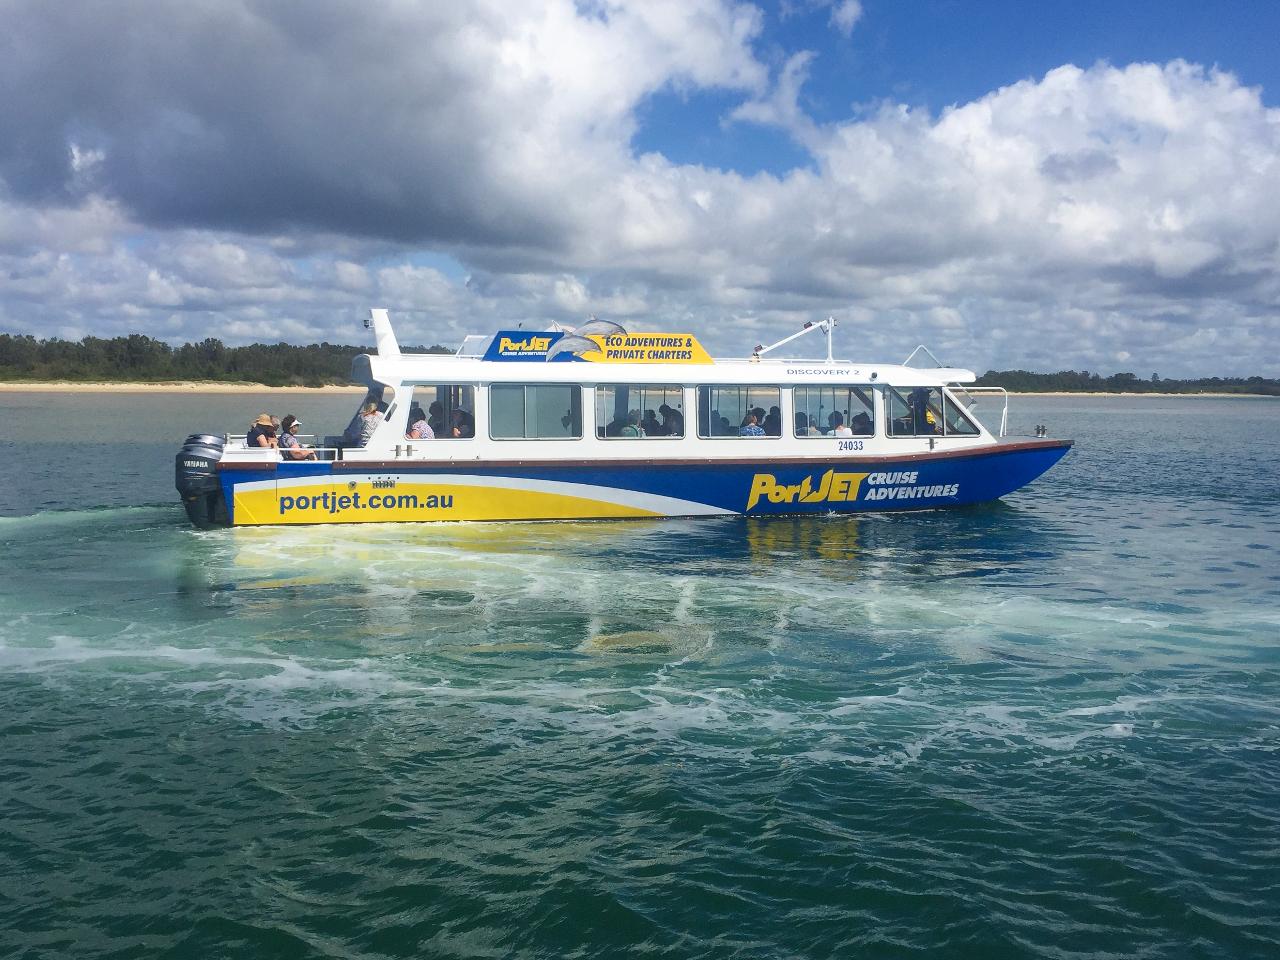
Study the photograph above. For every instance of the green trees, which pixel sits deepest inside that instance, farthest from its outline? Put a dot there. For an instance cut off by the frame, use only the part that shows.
(139, 358)
(1070, 381)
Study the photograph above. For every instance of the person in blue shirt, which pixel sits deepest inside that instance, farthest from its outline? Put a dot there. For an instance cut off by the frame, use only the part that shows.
(750, 428)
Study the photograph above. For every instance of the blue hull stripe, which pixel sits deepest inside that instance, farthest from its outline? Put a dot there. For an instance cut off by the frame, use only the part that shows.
(813, 486)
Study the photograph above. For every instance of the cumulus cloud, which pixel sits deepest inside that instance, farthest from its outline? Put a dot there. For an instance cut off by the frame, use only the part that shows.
(258, 170)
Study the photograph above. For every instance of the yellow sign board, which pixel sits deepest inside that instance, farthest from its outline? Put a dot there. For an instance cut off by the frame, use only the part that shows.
(647, 348)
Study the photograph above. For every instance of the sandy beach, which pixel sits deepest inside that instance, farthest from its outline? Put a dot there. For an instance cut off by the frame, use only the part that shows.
(173, 387)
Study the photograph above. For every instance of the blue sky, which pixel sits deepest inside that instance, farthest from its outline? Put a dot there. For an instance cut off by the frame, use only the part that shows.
(933, 54)
(1046, 186)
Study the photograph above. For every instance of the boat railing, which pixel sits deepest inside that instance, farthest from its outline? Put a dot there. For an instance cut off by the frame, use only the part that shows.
(967, 393)
(236, 441)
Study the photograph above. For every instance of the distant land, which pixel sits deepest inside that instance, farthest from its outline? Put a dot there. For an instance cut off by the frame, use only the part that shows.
(142, 359)
(1072, 381)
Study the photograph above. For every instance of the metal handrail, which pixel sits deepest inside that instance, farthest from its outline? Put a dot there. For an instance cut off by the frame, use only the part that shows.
(969, 391)
(236, 442)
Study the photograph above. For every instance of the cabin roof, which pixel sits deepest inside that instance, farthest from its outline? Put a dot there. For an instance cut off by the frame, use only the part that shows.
(408, 368)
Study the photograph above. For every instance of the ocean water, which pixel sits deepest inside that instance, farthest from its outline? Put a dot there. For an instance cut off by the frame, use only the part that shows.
(1047, 727)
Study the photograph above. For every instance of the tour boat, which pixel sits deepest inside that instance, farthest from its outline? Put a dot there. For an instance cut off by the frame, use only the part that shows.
(599, 423)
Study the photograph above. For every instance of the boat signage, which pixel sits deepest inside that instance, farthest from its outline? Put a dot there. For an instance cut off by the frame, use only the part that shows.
(836, 487)
(646, 348)
(525, 345)
(522, 345)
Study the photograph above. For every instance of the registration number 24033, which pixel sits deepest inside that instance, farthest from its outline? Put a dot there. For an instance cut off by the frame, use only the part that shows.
(849, 445)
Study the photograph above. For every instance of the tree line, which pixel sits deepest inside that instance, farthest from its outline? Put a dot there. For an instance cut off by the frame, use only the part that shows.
(141, 359)
(1072, 381)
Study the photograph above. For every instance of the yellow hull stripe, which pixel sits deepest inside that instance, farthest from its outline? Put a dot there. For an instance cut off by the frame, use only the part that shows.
(347, 501)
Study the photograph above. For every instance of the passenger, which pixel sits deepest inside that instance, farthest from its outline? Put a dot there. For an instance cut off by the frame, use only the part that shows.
(751, 428)
(633, 428)
(351, 435)
(614, 427)
(369, 420)
(435, 418)
(726, 428)
(860, 425)
(651, 426)
(291, 448)
(838, 429)
(805, 426)
(922, 419)
(672, 421)
(464, 425)
(419, 428)
(773, 422)
(262, 433)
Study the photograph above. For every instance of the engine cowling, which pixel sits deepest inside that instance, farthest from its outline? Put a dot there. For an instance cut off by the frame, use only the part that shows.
(196, 478)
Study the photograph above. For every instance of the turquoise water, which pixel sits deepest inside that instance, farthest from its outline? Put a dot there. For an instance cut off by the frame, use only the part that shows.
(1049, 727)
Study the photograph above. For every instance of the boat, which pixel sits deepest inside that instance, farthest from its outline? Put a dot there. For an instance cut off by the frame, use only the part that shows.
(599, 423)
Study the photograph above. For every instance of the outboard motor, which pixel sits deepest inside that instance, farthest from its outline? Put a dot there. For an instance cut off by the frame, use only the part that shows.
(196, 477)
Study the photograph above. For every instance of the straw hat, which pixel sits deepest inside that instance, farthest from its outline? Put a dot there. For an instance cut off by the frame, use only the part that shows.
(264, 420)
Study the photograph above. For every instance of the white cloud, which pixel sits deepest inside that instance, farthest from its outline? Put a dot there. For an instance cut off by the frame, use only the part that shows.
(845, 14)
(1055, 222)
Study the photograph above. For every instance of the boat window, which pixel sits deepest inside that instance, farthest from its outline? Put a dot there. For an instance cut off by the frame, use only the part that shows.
(956, 422)
(639, 411)
(725, 411)
(535, 411)
(449, 409)
(914, 411)
(829, 411)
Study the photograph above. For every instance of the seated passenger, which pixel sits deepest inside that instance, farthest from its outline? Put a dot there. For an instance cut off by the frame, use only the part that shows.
(838, 428)
(435, 418)
(464, 425)
(419, 428)
(351, 435)
(805, 427)
(651, 426)
(750, 428)
(772, 423)
(860, 425)
(633, 428)
(922, 419)
(672, 421)
(262, 433)
(291, 448)
(369, 419)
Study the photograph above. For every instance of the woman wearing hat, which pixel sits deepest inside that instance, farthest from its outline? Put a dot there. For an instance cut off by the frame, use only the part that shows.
(262, 433)
(293, 448)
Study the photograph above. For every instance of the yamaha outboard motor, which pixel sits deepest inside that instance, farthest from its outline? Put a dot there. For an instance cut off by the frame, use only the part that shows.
(196, 477)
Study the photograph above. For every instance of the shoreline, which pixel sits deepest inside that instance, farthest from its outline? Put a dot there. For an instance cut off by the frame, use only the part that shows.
(214, 386)
(1115, 393)
(56, 386)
